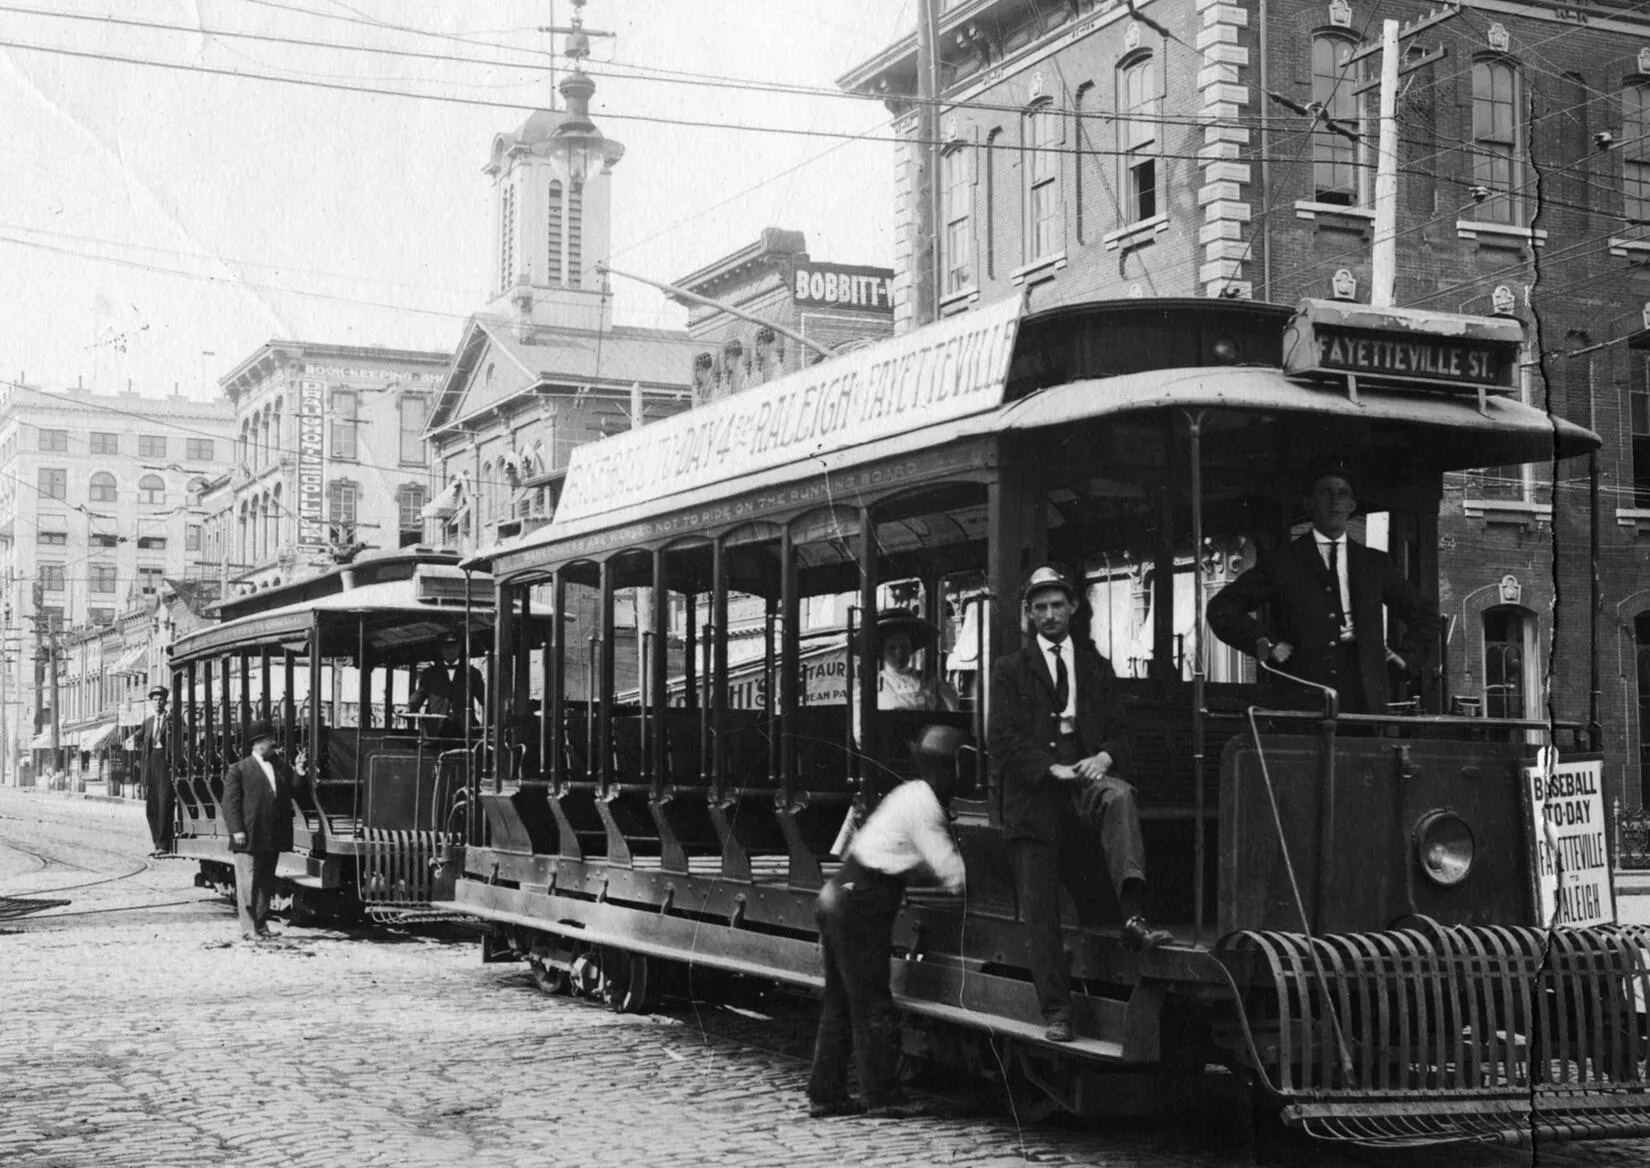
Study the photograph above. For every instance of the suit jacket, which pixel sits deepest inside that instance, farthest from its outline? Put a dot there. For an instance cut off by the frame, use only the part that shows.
(440, 690)
(1301, 597)
(150, 744)
(250, 806)
(1024, 725)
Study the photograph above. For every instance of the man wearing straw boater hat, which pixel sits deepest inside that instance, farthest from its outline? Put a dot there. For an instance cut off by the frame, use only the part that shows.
(1056, 731)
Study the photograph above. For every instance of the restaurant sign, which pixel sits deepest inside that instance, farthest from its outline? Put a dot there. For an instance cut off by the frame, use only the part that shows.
(946, 371)
(312, 491)
(1394, 344)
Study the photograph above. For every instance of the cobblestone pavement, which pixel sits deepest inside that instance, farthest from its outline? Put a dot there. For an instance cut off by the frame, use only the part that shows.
(137, 1032)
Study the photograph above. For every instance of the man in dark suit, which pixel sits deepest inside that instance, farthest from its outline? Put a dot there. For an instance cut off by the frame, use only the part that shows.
(440, 690)
(1323, 594)
(148, 743)
(257, 810)
(1057, 735)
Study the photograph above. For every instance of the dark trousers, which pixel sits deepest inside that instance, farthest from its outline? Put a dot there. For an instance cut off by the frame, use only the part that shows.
(254, 885)
(856, 927)
(160, 802)
(1347, 677)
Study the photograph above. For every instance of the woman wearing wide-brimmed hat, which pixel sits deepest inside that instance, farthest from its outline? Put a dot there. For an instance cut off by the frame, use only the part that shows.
(899, 634)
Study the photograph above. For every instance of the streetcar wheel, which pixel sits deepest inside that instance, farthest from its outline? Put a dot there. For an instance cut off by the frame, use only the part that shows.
(629, 980)
(551, 979)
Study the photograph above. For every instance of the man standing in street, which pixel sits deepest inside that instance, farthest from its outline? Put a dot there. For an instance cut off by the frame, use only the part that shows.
(1057, 733)
(1324, 594)
(440, 690)
(148, 743)
(257, 810)
(906, 834)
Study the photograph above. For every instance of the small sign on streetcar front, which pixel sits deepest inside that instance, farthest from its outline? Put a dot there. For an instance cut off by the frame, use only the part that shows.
(1441, 349)
(1569, 850)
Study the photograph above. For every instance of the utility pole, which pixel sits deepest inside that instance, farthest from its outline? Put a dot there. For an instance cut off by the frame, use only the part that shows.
(925, 187)
(57, 721)
(1384, 244)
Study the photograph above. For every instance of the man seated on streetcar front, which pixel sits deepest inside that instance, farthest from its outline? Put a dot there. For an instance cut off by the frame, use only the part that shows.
(439, 690)
(1324, 594)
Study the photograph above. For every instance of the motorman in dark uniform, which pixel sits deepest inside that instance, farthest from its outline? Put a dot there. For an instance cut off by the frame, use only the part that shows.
(440, 690)
(1057, 733)
(1323, 596)
(149, 743)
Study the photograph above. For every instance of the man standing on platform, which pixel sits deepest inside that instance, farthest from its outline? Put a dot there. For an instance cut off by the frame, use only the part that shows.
(148, 743)
(1057, 733)
(257, 810)
(440, 690)
(1322, 596)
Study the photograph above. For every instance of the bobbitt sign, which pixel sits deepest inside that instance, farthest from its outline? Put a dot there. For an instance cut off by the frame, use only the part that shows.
(312, 466)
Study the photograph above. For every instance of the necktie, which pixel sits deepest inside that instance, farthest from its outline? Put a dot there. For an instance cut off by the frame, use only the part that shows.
(1335, 571)
(1062, 683)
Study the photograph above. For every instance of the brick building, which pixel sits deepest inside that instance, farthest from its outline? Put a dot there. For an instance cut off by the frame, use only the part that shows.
(1175, 147)
(838, 306)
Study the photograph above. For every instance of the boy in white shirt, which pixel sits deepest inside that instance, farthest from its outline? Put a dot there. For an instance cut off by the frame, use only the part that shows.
(905, 835)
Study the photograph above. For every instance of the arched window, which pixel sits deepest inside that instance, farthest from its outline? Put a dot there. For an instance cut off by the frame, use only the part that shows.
(275, 444)
(276, 514)
(243, 553)
(152, 490)
(555, 225)
(255, 520)
(1335, 172)
(1497, 141)
(1139, 111)
(991, 202)
(1635, 154)
(103, 489)
(506, 238)
(241, 452)
(1507, 652)
(1079, 141)
(957, 200)
(1041, 135)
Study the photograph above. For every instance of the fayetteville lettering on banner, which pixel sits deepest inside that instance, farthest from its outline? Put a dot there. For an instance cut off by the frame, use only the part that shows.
(1571, 854)
(946, 371)
(312, 466)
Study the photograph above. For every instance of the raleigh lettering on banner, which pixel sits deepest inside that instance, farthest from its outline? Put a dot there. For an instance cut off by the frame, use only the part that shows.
(1570, 857)
(946, 371)
(312, 464)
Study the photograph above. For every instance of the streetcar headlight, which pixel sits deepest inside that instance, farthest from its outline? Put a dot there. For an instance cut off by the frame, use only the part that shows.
(1444, 847)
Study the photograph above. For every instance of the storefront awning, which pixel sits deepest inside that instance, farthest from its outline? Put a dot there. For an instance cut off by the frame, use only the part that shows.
(42, 740)
(98, 737)
(132, 661)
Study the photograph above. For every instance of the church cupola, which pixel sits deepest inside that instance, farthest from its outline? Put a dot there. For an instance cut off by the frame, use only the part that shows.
(553, 184)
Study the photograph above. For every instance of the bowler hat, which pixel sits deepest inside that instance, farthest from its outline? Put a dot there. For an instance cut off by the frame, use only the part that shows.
(159, 691)
(901, 620)
(1048, 576)
(259, 730)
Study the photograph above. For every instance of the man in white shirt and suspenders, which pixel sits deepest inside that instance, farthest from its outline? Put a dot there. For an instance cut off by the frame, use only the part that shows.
(906, 835)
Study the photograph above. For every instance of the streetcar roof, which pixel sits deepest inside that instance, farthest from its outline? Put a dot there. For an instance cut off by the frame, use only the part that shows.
(410, 613)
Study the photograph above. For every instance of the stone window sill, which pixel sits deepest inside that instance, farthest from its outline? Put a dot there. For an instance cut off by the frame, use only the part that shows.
(959, 300)
(1307, 209)
(1630, 247)
(1507, 510)
(1136, 234)
(1038, 270)
(1500, 234)
(1632, 516)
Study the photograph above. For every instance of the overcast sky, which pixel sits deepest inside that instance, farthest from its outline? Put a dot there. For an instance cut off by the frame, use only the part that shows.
(152, 216)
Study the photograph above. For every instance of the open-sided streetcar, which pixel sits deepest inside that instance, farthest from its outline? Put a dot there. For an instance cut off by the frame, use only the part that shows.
(1369, 925)
(330, 661)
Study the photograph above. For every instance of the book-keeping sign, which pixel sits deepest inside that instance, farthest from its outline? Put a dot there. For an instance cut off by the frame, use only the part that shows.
(312, 465)
(949, 370)
(1570, 856)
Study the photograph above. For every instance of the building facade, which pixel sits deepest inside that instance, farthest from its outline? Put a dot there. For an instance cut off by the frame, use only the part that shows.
(1227, 147)
(836, 306)
(95, 491)
(328, 455)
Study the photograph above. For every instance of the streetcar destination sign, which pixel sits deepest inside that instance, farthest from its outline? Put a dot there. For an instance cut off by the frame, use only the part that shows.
(948, 370)
(1394, 344)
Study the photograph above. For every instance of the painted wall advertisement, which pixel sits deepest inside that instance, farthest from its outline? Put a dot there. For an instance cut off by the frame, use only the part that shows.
(312, 466)
(1565, 801)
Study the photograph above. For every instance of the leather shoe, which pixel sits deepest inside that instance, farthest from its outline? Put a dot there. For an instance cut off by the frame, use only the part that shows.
(1060, 1030)
(1138, 934)
(835, 1107)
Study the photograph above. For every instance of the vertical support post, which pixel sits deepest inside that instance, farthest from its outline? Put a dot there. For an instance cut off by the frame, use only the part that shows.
(1595, 728)
(264, 711)
(57, 720)
(716, 647)
(205, 704)
(1384, 253)
(501, 690)
(1199, 854)
(790, 665)
(1163, 656)
(315, 747)
(553, 718)
(246, 696)
(603, 747)
(866, 650)
(658, 674)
